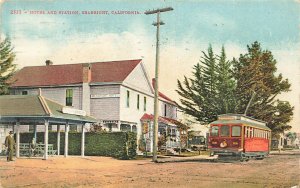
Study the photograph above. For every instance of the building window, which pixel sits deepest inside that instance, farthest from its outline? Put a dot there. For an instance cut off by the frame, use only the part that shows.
(69, 97)
(127, 99)
(125, 128)
(138, 102)
(145, 103)
(24, 92)
(165, 113)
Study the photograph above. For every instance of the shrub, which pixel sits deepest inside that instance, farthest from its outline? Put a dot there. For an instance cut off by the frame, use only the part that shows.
(121, 145)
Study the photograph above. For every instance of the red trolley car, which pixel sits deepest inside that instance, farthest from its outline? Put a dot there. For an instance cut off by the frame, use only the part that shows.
(240, 136)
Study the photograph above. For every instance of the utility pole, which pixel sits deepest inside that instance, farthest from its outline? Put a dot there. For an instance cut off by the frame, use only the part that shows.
(155, 126)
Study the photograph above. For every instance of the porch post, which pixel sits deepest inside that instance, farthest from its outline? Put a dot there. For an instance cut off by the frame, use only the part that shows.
(17, 129)
(167, 139)
(46, 140)
(35, 132)
(66, 138)
(119, 125)
(151, 135)
(82, 140)
(58, 139)
(171, 137)
(130, 127)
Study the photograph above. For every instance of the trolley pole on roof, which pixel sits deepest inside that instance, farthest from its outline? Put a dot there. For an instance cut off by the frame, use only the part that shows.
(155, 126)
(252, 97)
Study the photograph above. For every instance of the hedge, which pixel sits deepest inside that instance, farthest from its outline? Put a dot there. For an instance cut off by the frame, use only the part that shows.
(121, 145)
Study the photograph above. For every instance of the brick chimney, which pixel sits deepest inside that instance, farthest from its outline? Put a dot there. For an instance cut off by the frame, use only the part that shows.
(86, 91)
(49, 62)
(86, 73)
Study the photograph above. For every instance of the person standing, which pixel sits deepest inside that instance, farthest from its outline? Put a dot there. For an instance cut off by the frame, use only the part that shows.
(10, 145)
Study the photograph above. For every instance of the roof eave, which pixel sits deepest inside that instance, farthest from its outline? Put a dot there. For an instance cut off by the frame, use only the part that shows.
(46, 86)
(105, 83)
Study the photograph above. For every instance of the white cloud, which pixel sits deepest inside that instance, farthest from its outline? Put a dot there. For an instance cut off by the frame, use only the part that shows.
(30, 52)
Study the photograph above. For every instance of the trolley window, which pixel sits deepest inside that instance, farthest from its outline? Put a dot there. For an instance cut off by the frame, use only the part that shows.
(214, 131)
(236, 131)
(225, 130)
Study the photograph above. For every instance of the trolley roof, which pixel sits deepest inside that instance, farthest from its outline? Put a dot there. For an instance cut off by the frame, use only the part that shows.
(240, 119)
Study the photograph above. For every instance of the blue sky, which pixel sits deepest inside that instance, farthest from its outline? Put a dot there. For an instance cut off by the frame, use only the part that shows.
(270, 22)
(189, 29)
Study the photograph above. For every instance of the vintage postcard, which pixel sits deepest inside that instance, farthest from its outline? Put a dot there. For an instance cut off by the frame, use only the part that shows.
(161, 93)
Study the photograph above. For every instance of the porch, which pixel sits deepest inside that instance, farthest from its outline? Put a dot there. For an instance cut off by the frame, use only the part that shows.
(36, 110)
(169, 133)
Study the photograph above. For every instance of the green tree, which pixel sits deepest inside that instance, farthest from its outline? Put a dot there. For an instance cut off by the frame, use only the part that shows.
(204, 96)
(219, 86)
(225, 85)
(255, 71)
(7, 68)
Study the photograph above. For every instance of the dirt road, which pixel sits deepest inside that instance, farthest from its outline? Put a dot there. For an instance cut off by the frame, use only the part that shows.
(274, 171)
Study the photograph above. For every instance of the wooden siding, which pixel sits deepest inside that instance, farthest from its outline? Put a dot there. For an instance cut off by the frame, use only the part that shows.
(105, 108)
(105, 90)
(138, 80)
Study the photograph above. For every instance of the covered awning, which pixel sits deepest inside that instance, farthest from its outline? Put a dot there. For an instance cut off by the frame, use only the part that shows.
(19, 110)
(35, 109)
(165, 120)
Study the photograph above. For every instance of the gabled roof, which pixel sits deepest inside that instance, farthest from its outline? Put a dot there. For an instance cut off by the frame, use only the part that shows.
(113, 71)
(53, 75)
(48, 75)
(161, 95)
(28, 106)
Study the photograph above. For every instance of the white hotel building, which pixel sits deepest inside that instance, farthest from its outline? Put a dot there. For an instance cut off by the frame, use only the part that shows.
(119, 94)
